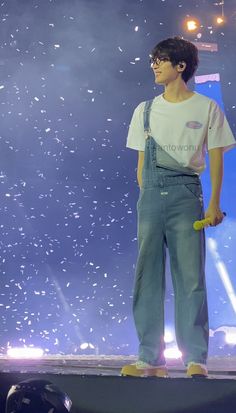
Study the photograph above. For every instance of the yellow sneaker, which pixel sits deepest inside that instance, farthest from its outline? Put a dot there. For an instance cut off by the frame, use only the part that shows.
(142, 369)
(196, 370)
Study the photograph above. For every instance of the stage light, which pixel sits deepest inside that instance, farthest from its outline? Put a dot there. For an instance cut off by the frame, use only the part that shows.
(230, 338)
(84, 346)
(191, 24)
(172, 353)
(169, 336)
(219, 20)
(24, 352)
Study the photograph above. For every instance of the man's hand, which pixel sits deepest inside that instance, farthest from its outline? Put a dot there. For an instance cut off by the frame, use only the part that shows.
(215, 214)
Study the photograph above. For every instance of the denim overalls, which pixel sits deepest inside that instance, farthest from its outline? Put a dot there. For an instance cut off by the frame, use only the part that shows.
(170, 200)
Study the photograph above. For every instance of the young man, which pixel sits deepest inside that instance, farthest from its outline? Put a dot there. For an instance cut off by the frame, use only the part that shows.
(172, 133)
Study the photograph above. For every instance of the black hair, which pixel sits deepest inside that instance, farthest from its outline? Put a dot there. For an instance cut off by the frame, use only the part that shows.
(178, 50)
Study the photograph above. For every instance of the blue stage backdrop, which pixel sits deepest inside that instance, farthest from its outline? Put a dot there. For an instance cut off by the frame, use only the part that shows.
(72, 73)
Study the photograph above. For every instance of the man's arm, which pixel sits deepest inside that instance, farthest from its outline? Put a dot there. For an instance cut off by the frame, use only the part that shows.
(216, 172)
(140, 167)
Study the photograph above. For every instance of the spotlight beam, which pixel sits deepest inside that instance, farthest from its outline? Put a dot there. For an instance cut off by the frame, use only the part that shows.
(222, 271)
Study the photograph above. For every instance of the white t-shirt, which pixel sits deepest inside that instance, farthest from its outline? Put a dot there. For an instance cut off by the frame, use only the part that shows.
(185, 130)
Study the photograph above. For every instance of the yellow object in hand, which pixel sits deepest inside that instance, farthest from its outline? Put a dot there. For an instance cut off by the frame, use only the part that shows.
(198, 225)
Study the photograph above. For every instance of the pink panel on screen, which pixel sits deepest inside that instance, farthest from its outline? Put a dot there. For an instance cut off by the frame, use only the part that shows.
(210, 47)
(207, 78)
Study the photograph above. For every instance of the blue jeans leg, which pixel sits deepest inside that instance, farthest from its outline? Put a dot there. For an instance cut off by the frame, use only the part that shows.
(187, 259)
(149, 288)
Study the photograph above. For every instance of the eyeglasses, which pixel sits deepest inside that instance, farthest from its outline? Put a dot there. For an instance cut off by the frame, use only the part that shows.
(157, 60)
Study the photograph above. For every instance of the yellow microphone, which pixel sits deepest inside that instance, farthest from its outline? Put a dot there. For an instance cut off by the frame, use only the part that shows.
(198, 225)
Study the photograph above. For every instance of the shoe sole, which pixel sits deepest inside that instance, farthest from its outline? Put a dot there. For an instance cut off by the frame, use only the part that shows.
(131, 370)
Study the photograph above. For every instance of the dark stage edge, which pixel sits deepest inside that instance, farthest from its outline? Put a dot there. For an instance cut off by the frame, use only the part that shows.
(95, 386)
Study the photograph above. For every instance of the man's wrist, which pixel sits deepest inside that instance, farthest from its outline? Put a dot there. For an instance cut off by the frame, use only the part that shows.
(214, 201)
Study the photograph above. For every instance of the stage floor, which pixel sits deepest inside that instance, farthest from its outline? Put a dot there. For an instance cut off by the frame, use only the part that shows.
(95, 385)
(218, 367)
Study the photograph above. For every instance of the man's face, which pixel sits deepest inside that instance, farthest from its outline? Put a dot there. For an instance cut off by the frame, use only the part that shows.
(163, 70)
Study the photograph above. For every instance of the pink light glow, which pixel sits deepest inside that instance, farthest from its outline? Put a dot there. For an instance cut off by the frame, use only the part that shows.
(24, 352)
(172, 353)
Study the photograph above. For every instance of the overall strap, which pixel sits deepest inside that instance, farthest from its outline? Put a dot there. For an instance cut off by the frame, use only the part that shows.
(146, 115)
